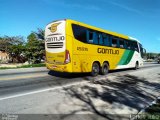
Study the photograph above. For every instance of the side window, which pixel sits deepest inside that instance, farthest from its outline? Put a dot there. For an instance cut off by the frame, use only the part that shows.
(106, 39)
(128, 44)
(95, 37)
(99, 38)
(79, 32)
(141, 49)
(135, 46)
(114, 42)
(102, 39)
(121, 44)
(90, 36)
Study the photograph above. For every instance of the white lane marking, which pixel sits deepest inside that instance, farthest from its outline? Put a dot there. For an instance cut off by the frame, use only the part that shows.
(39, 91)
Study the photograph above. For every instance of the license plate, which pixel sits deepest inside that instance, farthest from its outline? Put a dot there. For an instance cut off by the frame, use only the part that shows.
(54, 66)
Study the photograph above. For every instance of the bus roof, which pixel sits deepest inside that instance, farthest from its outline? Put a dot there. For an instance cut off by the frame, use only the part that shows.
(134, 39)
(99, 29)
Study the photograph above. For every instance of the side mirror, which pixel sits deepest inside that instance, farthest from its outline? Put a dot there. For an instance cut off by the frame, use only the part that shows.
(144, 51)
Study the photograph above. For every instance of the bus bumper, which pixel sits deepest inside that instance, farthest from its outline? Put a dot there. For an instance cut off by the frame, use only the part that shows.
(59, 68)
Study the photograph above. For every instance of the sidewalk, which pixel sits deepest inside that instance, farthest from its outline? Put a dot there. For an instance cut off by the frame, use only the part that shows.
(22, 70)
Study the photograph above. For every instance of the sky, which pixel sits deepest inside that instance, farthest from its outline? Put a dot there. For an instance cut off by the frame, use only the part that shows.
(136, 18)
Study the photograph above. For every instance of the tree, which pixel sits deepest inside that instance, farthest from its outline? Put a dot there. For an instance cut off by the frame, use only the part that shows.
(40, 34)
(151, 55)
(158, 56)
(18, 50)
(14, 47)
(35, 47)
(5, 42)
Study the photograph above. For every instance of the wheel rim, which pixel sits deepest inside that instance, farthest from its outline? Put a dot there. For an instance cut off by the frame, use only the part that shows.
(105, 70)
(95, 69)
(136, 67)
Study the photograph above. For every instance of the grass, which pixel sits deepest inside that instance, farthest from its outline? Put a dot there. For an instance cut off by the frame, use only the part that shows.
(152, 112)
(32, 65)
(155, 108)
(24, 66)
(3, 68)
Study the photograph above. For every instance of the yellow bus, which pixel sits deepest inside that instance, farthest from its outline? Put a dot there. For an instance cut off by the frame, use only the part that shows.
(75, 47)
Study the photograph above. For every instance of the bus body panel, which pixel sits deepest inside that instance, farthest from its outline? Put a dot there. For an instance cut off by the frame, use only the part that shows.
(82, 55)
(129, 60)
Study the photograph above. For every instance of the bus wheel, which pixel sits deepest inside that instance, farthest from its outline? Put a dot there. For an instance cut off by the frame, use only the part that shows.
(136, 66)
(95, 69)
(104, 69)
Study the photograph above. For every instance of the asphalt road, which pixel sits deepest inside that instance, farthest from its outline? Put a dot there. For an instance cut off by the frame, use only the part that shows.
(16, 81)
(36, 91)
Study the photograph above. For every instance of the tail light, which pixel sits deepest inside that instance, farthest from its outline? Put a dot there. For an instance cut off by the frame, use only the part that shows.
(67, 57)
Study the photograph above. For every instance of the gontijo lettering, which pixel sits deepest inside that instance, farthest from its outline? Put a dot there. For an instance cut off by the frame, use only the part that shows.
(53, 39)
(107, 51)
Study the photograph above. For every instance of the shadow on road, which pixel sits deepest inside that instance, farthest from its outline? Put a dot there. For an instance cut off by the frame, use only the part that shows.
(67, 75)
(78, 75)
(126, 90)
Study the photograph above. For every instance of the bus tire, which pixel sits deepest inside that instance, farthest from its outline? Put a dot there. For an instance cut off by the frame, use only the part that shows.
(104, 69)
(95, 69)
(136, 66)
